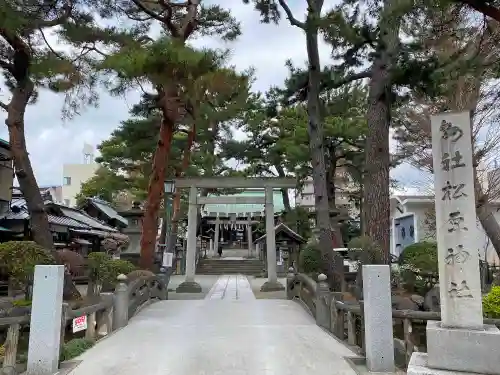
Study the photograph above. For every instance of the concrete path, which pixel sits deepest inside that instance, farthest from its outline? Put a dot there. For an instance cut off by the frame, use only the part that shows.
(231, 287)
(218, 337)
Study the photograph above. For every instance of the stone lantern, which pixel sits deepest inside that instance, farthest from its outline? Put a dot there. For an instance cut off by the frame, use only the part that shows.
(133, 231)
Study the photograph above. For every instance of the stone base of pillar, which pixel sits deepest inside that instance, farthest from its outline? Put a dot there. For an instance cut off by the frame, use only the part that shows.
(463, 350)
(188, 287)
(272, 286)
(419, 366)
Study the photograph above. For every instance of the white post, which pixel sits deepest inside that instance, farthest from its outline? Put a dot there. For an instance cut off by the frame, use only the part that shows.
(379, 341)
(249, 236)
(257, 250)
(217, 232)
(45, 325)
(460, 286)
(191, 240)
(211, 250)
(270, 237)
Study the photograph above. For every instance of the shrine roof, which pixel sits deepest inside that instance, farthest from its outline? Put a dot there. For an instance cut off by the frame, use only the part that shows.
(282, 227)
(243, 209)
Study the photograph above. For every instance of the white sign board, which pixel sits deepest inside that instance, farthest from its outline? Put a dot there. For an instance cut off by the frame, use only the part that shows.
(80, 323)
(167, 259)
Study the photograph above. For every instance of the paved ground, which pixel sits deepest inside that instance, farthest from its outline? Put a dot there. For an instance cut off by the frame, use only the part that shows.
(231, 287)
(206, 282)
(219, 336)
(257, 282)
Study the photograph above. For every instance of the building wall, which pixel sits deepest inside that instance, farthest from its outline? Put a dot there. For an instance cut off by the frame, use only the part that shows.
(425, 233)
(73, 177)
(306, 199)
(55, 192)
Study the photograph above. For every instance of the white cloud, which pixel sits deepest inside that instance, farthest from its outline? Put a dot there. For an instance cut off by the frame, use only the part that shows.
(52, 142)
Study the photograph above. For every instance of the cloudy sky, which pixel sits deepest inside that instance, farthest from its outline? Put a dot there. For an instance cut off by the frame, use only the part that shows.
(53, 142)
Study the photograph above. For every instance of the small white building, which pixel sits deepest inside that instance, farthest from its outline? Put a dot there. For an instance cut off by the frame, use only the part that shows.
(76, 174)
(413, 220)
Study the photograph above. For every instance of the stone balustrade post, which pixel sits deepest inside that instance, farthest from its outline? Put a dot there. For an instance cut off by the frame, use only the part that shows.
(165, 279)
(120, 303)
(46, 318)
(377, 313)
(322, 302)
(289, 279)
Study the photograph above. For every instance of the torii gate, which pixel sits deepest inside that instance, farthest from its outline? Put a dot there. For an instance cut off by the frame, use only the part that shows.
(266, 183)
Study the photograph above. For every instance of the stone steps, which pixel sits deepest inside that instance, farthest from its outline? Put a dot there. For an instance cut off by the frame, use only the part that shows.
(229, 267)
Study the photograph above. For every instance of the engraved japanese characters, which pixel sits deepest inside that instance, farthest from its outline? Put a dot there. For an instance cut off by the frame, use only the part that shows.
(451, 191)
(456, 220)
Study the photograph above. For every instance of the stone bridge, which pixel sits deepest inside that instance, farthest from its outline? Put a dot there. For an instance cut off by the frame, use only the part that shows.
(229, 332)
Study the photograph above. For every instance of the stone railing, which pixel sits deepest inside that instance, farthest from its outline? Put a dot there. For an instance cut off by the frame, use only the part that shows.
(110, 313)
(344, 319)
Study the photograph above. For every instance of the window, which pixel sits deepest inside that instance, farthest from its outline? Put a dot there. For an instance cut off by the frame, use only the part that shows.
(67, 181)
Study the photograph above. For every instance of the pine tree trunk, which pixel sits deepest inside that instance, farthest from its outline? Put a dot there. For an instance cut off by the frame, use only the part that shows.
(176, 206)
(333, 264)
(39, 221)
(155, 194)
(332, 195)
(376, 196)
(40, 229)
(284, 192)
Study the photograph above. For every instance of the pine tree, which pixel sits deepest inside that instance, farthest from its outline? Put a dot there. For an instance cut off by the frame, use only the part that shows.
(30, 64)
(172, 69)
(271, 12)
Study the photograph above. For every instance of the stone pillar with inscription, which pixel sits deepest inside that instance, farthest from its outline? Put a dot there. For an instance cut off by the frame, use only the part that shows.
(460, 342)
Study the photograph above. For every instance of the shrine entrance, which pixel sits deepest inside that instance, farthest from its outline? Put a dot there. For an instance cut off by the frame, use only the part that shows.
(267, 184)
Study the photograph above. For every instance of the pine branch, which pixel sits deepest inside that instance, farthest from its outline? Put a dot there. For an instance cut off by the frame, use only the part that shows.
(67, 10)
(289, 15)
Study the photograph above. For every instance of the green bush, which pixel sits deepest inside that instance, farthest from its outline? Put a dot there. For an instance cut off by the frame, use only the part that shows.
(491, 303)
(419, 267)
(19, 258)
(422, 256)
(364, 251)
(103, 269)
(75, 347)
(310, 259)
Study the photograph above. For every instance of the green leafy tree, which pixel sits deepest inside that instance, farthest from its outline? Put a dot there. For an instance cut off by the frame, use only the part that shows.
(19, 258)
(105, 184)
(276, 144)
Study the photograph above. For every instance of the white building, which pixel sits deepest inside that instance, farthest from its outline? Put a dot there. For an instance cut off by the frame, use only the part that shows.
(306, 199)
(76, 174)
(413, 220)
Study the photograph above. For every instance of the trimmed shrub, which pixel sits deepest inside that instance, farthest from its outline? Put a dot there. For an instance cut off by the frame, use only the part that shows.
(419, 267)
(491, 303)
(310, 259)
(75, 347)
(19, 258)
(103, 271)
